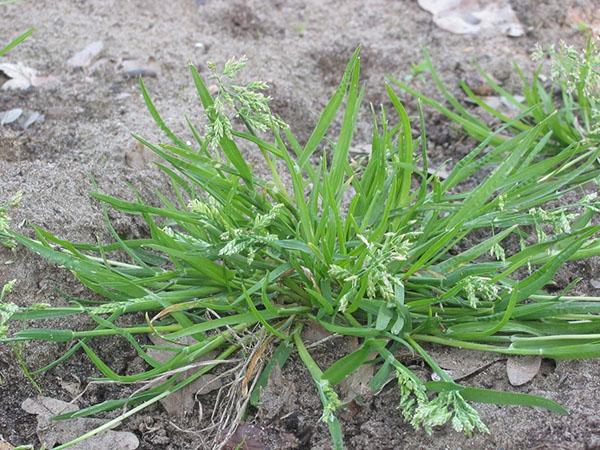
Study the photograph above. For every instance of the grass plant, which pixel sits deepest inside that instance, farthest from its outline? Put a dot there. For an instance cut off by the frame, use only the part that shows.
(566, 97)
(235, 263)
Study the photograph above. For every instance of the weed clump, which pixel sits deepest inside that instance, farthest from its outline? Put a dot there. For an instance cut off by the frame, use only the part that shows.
(567, 99)
(236, 263)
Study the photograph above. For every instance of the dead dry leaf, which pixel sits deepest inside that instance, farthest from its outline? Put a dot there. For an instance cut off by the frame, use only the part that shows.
(313, 333)
(74, 387)
(84, 57)
(502, 105)
(357, 383)
(23, 77)
(278, 397)
(474, 16)
(5, 446)
(51, 432)
(246, 437)
(440, 171)
(522, 369)
(183, 401)
(138, 157)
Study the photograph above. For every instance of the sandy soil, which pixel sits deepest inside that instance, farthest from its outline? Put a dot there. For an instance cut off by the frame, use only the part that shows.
(300, 48)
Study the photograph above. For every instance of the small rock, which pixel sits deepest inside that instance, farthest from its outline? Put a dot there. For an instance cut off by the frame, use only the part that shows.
(201, 46)
(10, 116)
(514, 30)
(482, 89)
(441, 172)
(29, 118)
(84, 58)
(593, 421)
(436, 377)
(460, 364)
(139, 68)
(122, 96)
(94, 67)
(593, 443)
(160, 438)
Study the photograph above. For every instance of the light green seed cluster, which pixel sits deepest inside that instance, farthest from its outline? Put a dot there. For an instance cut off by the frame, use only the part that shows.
(480, 288)
(233, 101)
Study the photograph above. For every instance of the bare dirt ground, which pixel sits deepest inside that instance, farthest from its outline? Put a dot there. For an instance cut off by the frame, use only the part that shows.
(300, 49)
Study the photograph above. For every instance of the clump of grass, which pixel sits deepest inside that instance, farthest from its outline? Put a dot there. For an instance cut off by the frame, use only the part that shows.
(385, 253)
(568, 104)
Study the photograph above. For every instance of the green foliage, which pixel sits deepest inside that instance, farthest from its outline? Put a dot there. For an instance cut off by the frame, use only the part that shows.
(448, 406)
(6, 309)
(569, 104)
(13, 202)
(4, 50)
(385, 252)
(578, 75)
